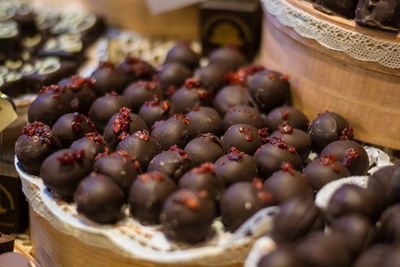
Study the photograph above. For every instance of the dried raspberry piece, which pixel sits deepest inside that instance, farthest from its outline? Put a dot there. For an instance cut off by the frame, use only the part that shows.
(235, 154)
(121, 122)
(188, 199)
(40, 130)
(205, 167)
(287, 167)
(69, 157)
(96, 137)
(143, 134)
(77, 83)
(329, 160)
(351, 155)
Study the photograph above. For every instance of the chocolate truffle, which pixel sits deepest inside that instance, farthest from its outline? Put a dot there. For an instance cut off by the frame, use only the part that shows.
(211, 77)
(174, 131)
(204, 120)
(240, 201)
(174, 163)
(236, 167)
(244, 75)
(142, 146)
(203, 178)
(139, 92)
(382, 14)
(328, 127)
(242, 114)
(292, 116)
(206, 147)
(121, 125)
(135, 69)
(377, 255)
(270, 156)
(242, 136)
(182, 53)
(72, 126)
(323, 170)
(295, 219)
(108, 79)
(100, 199)
(187, 216)
(351, 154)
(148, 194)
(282, 257)
(173, 74)
(80, 91)
(36, 142)
(390, 224)
(63, 170)
(343, 8)
(191, 95)
(296, 138)
(156, 110)
(93, 144)
(270, 89)
(230, 96)
(120, 166)
(228, 58)
(104, 107)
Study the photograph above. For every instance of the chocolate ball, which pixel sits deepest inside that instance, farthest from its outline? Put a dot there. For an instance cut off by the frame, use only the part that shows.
(80, 92)
(93, 144)
(292, 116)
(211, 77)
(191, 96)
(205, 148)
(108, 79)
(156, 110)
(228, 58)
(380, 14)
(173, 74)
(230, 96)
(389, 232)
(376, 255)
(244, 75)
(343, 8)
(135, 69)
(182, 53)
(242, 114)
(242, 136)
(204, 120)
(100, 199)
(282, 257)
(148, 194)
(139, 92)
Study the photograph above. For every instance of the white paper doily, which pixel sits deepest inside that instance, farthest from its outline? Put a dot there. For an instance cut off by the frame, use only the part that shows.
(357, 45)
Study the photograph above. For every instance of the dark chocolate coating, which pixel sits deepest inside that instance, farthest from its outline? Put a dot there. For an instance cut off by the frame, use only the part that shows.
(203, 178)
(148, 194)
(173, 163)
(236, 167)
(92, 143)
(156, 110)
(108, 79)
(187, 216)
(80, 91)
(292, 116)
(328, 127)
(230, 96)
(269, 89)
(228, 58)
(70, 127)
(10, 40)
(240, 201)
(242, 114)
(295, 219)
(205, 148)
(269, 158)
(382, 14)
(242, 136)
(100, 199)
(32, 149)
(104, 107)
(211, 77)
(120, 167)
(187, 98)
(139, 92)
(62, 178)
(173, 74)
(343, 8)
(172, 132)
(142, 146)
(282, 257)
(377, 255)
(319, 173)
(389, 232)
(182, 53)
(204, 120)
(297, 139)
(136, 69)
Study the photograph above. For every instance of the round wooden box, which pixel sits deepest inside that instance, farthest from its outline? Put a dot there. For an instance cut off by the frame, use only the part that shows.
(366, 92)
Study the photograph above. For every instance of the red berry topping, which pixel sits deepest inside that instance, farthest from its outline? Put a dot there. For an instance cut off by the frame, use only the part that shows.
(154, 102)
(96, 137)
(112, 93)
(264, 196)
(122, 136)
(258, 183)
(280, 143)
(170, 90)
(203, 93)
(182, 153)
(263, 132)
(188, 199)
(148, 85)
(347, 133)
(40, 130)
(285, 114)
(329, 160)
(182, 118)
(247, 134)
(151, 176)
(285, 78)
(211, 137)
(203, 194)
(55, 89)
(76, 121)
(143, 134)
(235, 154)
(106, 65)
(285, 128)
(272, 76)
(191, 83)
(69, 157)
(287, 167)
(121, 122)
(205, 167)
(351, 155)
(77, 83)
(240, 76)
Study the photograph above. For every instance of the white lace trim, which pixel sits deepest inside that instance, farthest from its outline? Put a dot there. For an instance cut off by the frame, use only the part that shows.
(356, 45)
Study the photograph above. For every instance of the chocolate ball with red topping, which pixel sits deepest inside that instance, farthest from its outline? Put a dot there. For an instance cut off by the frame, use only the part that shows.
(329, 127)
(72, 126)
(228, 58)
(63, 170)
(49, 105)
(295, 138)
(244, 137)
(270, 156)
(241, 200)
(184, 54)
(135, 69)
(287, 183)
(120, 166)
(385, 185)
(148, 194)
(230, 96)
(244, 75)
(108, 78)
(206, 147)
(104, 107)
(187, 216)
(203, 178)
(174, 163)
(242, 114)
(36, 142)
(290, 115)
(156, 110)
(323, 170)
(142, 145)
(174, 131)
(93, 144)
(100, 199)
(351, 154)
(173, 74)
(191, 95)
(211, 77)
(139, 92)
(121, 125)
(204, 120)
(236, 167)
(284, 256)
(270, 89)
